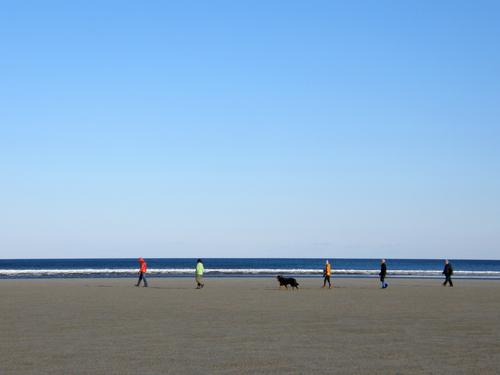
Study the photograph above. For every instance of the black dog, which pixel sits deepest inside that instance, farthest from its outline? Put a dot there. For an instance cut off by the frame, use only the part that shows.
(285, 281)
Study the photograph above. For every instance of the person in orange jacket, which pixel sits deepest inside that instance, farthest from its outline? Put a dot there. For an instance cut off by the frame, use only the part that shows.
(326, 275)
(142, 272)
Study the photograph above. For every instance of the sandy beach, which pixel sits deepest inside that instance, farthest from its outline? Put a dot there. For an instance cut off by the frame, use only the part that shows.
(248, 326)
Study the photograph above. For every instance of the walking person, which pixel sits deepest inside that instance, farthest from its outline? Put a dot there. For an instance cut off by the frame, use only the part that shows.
(383, 273)
(142, 272)
(447, 272)
(326, 275)
(199, 274)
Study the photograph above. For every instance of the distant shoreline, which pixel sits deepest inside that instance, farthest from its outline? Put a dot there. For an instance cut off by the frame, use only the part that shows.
(319, 277)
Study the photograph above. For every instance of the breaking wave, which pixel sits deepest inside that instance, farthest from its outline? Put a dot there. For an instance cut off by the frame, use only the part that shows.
(172, 272)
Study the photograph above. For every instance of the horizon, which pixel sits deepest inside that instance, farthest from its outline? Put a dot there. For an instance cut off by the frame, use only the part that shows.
(269, 130)
(269, 258)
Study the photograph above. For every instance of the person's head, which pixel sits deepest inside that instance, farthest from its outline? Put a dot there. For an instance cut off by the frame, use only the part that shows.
(446, 261)
(141, 260)
(199, 261)
(382, 261)
(327, 262)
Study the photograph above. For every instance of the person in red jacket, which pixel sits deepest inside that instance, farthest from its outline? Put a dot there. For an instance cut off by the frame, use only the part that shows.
(142, 272)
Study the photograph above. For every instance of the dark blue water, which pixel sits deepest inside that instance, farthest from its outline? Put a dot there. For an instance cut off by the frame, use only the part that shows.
(176, 267)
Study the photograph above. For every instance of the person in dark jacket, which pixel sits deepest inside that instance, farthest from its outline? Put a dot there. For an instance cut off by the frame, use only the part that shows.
(383, 273)
(447, 272)
(142, 272)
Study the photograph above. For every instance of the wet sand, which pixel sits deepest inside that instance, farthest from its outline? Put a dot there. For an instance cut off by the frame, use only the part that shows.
(248, 326)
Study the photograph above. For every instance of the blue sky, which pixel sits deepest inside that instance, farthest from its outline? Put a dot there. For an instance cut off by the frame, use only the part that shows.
(250, 129)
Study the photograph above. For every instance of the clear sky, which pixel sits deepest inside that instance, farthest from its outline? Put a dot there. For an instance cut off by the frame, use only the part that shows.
(250, 129)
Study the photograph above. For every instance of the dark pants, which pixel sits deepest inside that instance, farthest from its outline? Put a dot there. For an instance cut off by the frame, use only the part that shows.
(448, 280)
(325, 279)
(142, 276)
(382, 281)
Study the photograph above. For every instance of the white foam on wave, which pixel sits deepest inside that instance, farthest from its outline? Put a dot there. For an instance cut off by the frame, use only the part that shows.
(233, 271)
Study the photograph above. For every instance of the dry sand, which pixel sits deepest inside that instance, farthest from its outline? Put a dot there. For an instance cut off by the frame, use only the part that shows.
(248, 326)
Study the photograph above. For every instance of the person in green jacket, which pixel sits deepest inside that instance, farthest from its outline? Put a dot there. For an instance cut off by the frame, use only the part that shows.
(199, 274)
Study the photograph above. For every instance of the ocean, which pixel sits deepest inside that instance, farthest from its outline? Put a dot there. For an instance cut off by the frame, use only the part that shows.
(242, 267)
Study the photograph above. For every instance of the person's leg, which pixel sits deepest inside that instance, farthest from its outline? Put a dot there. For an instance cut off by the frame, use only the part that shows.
(447, 280)
(324, 281)
(140, 278)
(329, 282)
(144, 279)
